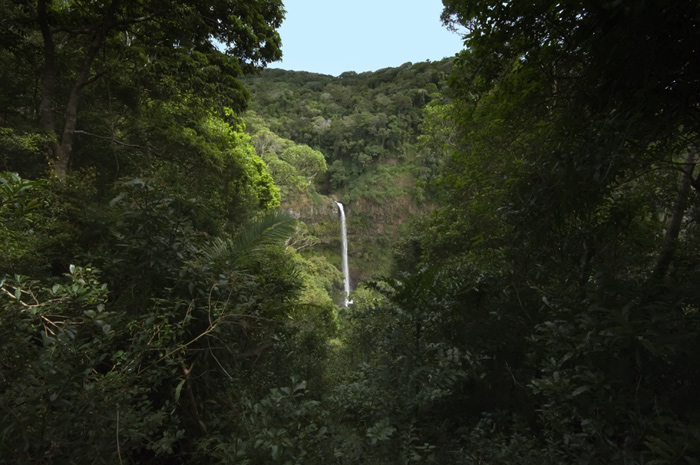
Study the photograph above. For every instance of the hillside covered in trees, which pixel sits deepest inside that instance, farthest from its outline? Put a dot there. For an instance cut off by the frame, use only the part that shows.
(524, 218)
(369, 128)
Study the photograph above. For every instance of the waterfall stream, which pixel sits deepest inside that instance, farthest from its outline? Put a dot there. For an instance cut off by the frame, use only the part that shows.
(346, 268)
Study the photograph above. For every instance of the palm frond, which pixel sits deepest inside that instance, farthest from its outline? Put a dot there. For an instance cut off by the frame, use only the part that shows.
(270, 230)
(217, 249)
(273, 229)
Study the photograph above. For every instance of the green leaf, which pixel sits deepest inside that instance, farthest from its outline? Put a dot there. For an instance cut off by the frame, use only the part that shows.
(580, 390)
(270, 230)
(178, 389)
(116, 199)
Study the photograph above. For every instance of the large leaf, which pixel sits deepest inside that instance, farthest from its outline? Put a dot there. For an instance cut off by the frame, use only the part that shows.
(273, 229)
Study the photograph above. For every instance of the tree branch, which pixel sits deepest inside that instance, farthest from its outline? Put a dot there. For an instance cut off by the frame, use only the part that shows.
(116, 141)
(62, 157)
(46, 119)
(670, 240)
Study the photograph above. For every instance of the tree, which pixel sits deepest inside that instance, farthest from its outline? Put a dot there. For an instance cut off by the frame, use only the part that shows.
(527, 67)
(307, 162)
(164, 46)
(562, 255)
(140, 360)
(570, 140)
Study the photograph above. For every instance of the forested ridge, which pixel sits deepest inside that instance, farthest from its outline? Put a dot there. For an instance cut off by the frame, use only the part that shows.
(529, 210)
(369, 128)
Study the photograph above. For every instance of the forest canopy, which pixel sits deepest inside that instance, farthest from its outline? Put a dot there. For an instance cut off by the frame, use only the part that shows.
(169, 282)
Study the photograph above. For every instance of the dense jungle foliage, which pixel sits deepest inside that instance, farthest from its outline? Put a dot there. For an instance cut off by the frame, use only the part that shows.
(370, 129)
(168, 294)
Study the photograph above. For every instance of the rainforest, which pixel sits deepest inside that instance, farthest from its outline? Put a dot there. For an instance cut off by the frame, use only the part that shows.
(523, 239)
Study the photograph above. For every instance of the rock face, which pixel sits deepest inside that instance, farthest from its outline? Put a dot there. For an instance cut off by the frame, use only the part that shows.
(320, 223)
(372, 229)
(312, 210)
(385, 218)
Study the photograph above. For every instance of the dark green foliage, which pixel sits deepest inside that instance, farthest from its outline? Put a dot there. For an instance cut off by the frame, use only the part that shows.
(367, 126)
(271, 230)
(131, 361)
(560, 260)
(568, 226)
(545, 312)
(360, 119)
(143, 305)
(67, 388)
(16, 205)
(80, 73)
(284, 426)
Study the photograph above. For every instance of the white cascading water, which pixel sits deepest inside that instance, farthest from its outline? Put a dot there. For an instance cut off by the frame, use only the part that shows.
(346, 268)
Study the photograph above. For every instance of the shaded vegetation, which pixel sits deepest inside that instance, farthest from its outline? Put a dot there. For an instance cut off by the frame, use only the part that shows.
(168, 295)
(368, 127)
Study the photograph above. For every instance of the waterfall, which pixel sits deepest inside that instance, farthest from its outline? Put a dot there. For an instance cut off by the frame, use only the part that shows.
(346, 268)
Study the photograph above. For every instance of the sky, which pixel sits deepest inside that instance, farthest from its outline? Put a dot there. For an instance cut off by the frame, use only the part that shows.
(334, 36)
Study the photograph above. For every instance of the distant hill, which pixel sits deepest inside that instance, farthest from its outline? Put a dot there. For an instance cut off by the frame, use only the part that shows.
(368, 128)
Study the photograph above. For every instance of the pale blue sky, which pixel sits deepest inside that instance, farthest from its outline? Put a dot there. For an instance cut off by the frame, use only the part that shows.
(333, 36)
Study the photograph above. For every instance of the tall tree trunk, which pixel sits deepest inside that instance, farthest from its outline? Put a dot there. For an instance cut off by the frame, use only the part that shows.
(674, 227)
(62, 148)
(46, 119)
